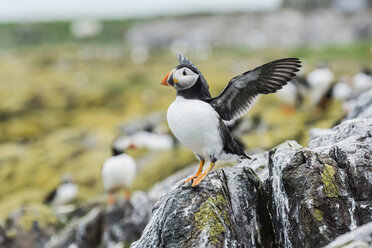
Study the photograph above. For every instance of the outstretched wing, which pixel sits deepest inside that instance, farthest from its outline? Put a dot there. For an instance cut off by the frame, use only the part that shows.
(238, 96)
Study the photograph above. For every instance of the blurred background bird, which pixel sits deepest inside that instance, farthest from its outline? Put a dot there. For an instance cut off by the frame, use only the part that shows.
(119, 170)
(64, 193)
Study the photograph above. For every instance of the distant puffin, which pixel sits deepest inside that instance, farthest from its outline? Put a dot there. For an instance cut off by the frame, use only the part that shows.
(196, 119)
(292, 95)
(118, 171)
(149, 140)
(320, 81)
(64, 193)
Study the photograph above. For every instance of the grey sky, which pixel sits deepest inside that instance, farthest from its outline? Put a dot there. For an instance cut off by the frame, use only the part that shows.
(39, 10)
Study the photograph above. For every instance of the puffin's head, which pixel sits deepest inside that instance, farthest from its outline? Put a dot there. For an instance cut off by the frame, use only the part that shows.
(121, 144)
(67, 178)
(181, 78)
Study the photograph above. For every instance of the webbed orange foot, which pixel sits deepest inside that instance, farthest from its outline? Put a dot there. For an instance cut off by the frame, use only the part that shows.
(200, 169)
(202, 176)
(198, 180)
(190, 178)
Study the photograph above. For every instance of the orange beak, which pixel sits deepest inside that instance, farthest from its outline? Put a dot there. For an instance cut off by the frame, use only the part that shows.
(133, 146)
(165, 79)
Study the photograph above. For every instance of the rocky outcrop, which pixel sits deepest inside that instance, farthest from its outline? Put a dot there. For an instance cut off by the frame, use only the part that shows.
(222, 212)
(360, 237)
(306, 197)
(119, 224)
(319, 193)
(362, 106)
(28, 227)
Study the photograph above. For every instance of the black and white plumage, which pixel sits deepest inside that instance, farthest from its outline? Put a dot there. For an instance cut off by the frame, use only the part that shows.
(66, 192)
(320, 81)
(197, 119)
(118, 171)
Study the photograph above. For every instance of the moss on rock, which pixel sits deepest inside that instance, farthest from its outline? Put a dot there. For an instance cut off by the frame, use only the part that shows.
(329, 182)
(318, 214)
(212, 217)
(36, 213)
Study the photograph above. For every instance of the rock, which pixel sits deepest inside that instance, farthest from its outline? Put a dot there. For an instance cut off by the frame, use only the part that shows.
(308, 197)
(313, 197)
(362, 106)
(84, 232)
(28, 226)
(360, 237)
(317, 132)
(258, 164)
(119, 224)
(226, 210)
(319, 193)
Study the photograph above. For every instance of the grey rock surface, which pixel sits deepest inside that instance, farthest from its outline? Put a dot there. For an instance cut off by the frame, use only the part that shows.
(323, 191)
(226, 210)
(119, 224)
(362, 106)
(359, 238)
(27, 227)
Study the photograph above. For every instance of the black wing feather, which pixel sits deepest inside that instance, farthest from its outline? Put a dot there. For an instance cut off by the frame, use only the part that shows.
(238, 96)
(49, 198)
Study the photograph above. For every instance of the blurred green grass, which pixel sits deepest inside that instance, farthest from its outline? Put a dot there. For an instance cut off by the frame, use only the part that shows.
(62, 100)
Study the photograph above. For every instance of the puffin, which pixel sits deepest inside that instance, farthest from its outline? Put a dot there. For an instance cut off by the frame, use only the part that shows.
(66, 192)
(320, 81)
(292, 95)
(119, 170)
(197, 120)
(149, 140)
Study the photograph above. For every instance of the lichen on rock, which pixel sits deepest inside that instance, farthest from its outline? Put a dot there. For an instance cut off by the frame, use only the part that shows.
(328, 179)
(212, 217)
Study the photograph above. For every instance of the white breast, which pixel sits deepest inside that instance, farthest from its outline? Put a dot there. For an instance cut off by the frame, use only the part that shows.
(196, 125)
(118, 172)
(65, 193)
(319, 80)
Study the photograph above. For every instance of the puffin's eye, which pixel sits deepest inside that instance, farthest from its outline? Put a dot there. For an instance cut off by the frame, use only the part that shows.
(184, 72)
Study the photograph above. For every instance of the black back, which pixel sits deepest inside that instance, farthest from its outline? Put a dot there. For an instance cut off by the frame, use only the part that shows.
(197, 91)
(230, 146)
(49, 198)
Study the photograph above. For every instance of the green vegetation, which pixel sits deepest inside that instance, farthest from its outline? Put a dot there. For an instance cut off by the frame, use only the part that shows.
(62, 100)
(43, 214)
(212, 217)
(329, 182)
(318, 214)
